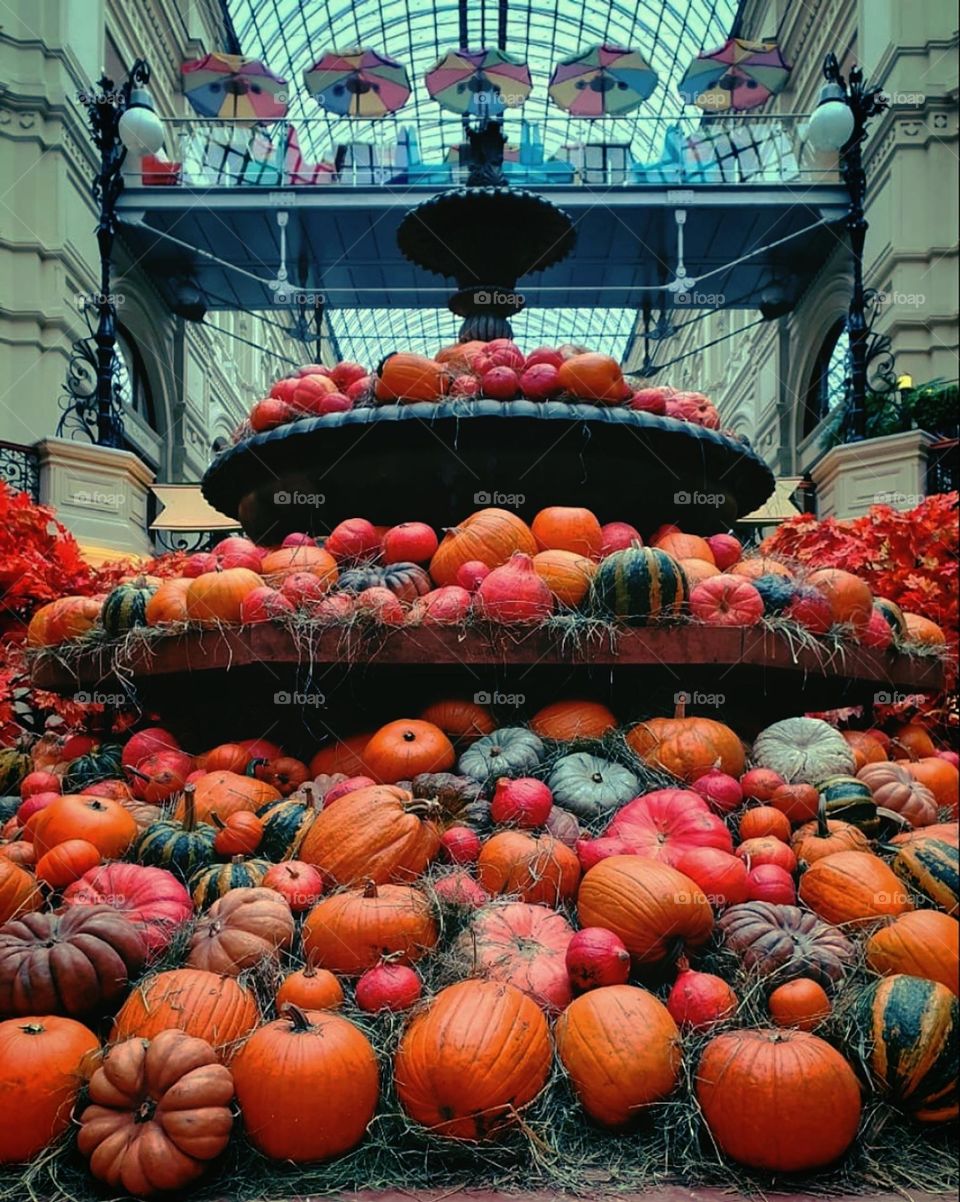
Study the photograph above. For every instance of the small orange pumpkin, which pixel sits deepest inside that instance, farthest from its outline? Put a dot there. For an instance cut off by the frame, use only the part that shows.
(940, 777)
(404, 748)
(565, 721)
(461, 721)
(592, 377)
(923, 630)
(760, 565)
(686, 546)
(489, 536)
(866, 749)
(566, 574)
(217, 596)
(303, 558)
(568, 528)
(802, 1004)
(406, 377)
(169, 602)
(850, 598)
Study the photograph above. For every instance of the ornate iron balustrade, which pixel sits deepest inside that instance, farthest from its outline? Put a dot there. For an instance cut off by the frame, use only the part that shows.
(20, 468)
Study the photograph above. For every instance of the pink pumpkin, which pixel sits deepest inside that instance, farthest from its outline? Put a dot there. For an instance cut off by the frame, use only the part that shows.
(726, 601)
(391, 987)
(726, 549)
(524, 802)
(151, 898)
(769, 883)
(618, 536)
(721, 792)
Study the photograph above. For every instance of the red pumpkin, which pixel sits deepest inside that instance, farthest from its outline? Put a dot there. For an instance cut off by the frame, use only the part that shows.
(770, 883)
(536, 869)
(685, 546)
(666, 823)
(459, 889)
(471, 574)
(160, 775)
(461, 845)
(410, 542)
(721, 876)
(151, 898)
(299, 884)
(540, 381)
(726, 549)
(596, 957)
(263, 605)
(146, 742)
(693, 407)
(722, 792)
(39, 782)
(521, 945)
(698, 1001)
(500, 383)
(618, 536)
(765, 820)
(514, 593)
(726, 601)
(391, 987)
(353, 538)
(760, 784)
(768, 850)
(446, 606)
(799, 803)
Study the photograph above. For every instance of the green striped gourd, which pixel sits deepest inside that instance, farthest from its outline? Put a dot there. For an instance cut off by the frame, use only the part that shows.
(209, 884)
(102, 763)
(285, 823)
(907, 1031)
(931, 867)
(180, 847)
(125, 607)
(847, 799)
(639, 583)
(892, 614)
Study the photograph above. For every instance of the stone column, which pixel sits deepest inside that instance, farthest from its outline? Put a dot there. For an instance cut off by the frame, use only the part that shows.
(879, 471)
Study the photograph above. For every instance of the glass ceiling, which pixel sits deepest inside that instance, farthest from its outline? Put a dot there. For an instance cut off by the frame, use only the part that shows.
(290, 35)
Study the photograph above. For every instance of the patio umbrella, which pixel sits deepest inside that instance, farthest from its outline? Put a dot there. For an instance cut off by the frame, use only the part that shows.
(602, 81)
(358, 83)
(481, 83)
(740, 75)
(230, 85)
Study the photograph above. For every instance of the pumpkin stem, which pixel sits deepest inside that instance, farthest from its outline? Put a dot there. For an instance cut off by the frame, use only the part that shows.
(680, 711)
(189, 808)
(312, 800)
(370, 888)
(297, 1017)
(683, 964)
(145, 1111)
(254, 765)
(236, 859)
(217, 821)
(823, 830)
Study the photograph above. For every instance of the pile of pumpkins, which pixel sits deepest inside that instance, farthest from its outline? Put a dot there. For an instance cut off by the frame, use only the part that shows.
(497, 370)
(495, 567)
(572, 887)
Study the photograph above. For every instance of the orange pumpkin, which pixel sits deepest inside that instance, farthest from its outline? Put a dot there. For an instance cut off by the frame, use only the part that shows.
(310, 988)
(19, 891)
(536, 869)
(568, 528)
(565, 721)
(911, 741)
(853, 887)
(225, 757)
(351, 931)
(765, 821)
(802, 1004)
(303, 558)
(824, 837)
(61, 620)
(460, 355)
(67, 862)
(169, 602)
(100, 820)
(687, 747)
(922, 943)
(402, 749)
(566, 574)
(343, 755)
(940, 777)
(697, 570)
(686, 546)
(406, 377)
(226, 793)
(592, 377)
(850, 598)
(490, 536)
(461, 721)
(923, 630)
(760, 565)
(800, 803)
(866, 749)
(217, 596)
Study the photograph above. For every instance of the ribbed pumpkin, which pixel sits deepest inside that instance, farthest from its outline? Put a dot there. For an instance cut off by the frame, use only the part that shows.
(208, 885)
(225, 793)
(822, 837)
(687, 747)
(375, 833)
(621, 1049)
(654, 909)
(408, 377)
(923, 943)
(285, 823)
(61, 620)
(785, 942)
(152, 899)
(667, 823)
(101, 763)
(638, 584)
(19, 891)
(181, 846)
(126, 607)
(168, 603)
(780, 1100)
(564, 721)
(894, 788)
(588, 785)
(403, 748)
(566, 574)
(489, 536)
(931, 867)
(462, 721)
(853, 887)
(242, 928)
(217, 596)
(352, 931)
(523, 945)
(849, 800)
(476, 1056)
(212, 1007)
(534, 868)
(509, 751)
(907, 1041)
(803, 750)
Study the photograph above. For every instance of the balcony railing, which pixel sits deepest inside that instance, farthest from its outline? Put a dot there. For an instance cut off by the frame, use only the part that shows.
(20, 468)
(723, 150)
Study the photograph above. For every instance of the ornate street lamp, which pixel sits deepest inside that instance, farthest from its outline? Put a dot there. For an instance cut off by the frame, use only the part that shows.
(121, 119)
(840, 123)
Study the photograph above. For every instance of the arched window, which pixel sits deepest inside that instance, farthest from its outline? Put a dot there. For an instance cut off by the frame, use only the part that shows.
(828, 381)
(134, 383)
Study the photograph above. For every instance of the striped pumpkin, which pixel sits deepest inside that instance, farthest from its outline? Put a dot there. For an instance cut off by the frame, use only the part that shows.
(103, 763)
(908, 1044)
(285, 823)
(208, 885)
(125, 607)
(892, 614)
(180, 847)
(639, 583)
(931, 867)
(849, 800)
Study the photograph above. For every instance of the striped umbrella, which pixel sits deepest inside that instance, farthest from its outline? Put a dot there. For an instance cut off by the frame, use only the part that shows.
(358, 83)
(602, 81)
(481, 83)
(233, 86)
(740, 75)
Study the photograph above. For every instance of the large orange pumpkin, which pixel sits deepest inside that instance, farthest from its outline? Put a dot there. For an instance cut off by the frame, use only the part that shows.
(566, 574)
(100, 820)
(921, 943)
(655, 910)
(375, 833)
(214, 1008)
(408, 377)
(19, 891)
(217, 596)
(686, 546)
(911, 741)
(169, 602)
(475, 1057)
(534, 868)
(351, 931)
(922, 630)
(460, 720)
(850, 598)
(565, 721)
(404, 748)
(61, 620)
(592, 377)
(687, 747)
(760, 565)
(343, 755)
(853, 887)
(621, 1049)
(780, 1100)
(303, 558)
(489, 536)
(307, 1086)
(226, 793)
(568, 528)
(940, 777)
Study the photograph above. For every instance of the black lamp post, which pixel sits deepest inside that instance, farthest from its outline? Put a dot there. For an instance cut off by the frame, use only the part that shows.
(840, 123)
(121, 119)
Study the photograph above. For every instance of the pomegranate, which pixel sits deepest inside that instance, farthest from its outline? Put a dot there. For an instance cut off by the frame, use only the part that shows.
(461, 844)
(597, 957)
(500, 383)
(700, 1000)
(410, 542)
(460, 889)
(760, 784)
(721, 792)
(524, 802)
(353, 538)
(618, 536)
(726, 549)
(769, 883)
(540, 382)
(471, 574)
(388, 987)
(263, 603)
(514, 592)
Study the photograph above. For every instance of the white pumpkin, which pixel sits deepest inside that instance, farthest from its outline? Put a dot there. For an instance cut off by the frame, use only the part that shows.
(804, 750)
(588, 785)
(509, 751)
